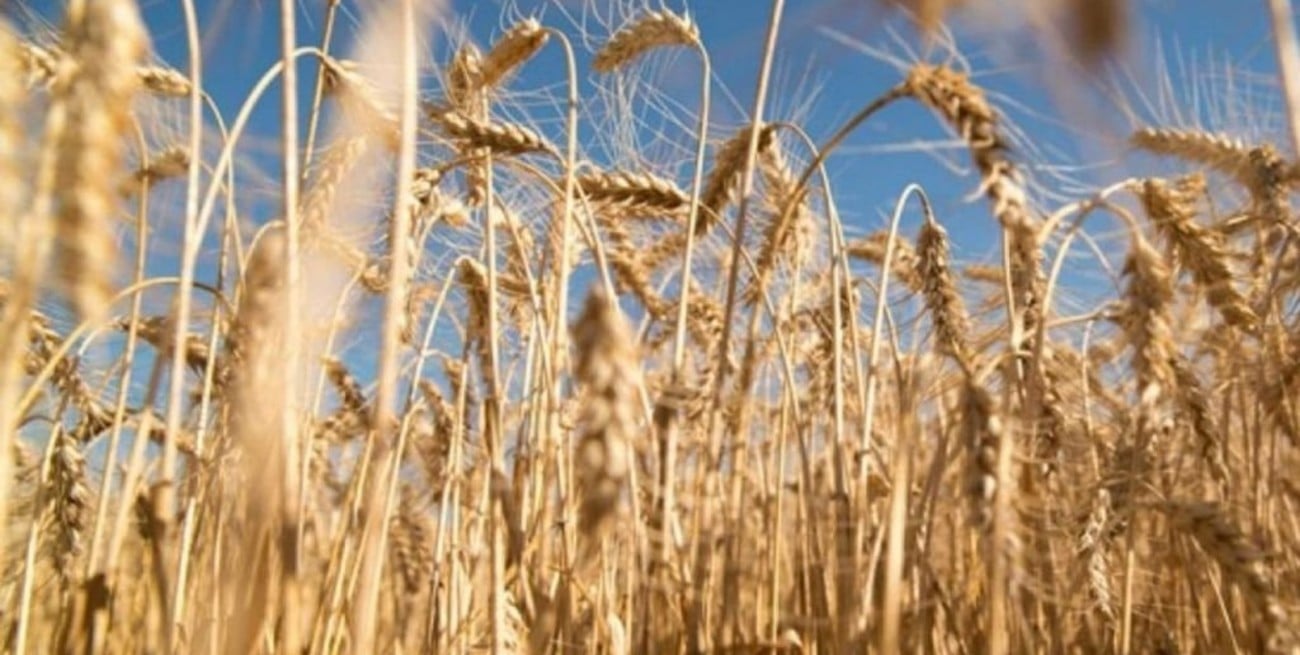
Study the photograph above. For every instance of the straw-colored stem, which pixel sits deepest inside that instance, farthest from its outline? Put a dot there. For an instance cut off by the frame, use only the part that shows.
(384, 421)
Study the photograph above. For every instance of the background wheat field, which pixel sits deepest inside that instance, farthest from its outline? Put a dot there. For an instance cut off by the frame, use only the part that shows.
(543, 339)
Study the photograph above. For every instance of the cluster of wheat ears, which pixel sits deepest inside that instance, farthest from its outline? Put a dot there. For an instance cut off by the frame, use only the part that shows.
(597, 409)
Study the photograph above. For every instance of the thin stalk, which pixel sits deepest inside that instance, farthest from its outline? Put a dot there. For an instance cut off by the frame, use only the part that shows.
(746, 189)
(376, 530)
(668, 420)
(318, 94)
(166, 504)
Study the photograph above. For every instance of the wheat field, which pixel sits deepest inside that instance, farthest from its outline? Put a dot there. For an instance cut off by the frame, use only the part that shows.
(446, 373)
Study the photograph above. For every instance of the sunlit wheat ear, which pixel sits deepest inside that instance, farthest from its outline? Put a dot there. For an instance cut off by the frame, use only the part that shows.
(170, 163)
(1216, 151)
(1260, 169)
(791, 232)
(519, 44)
(411, 535)
(1093, 547)
(69, 492)
(163, 81)
(904, 264)
(657, 29)
(41, 64)
(1147, 319)
(981, 434)
(1197, 411)
(629, 269)
(464, 78)
(608, 367)
(724, 180)
(502, 138)
(939, 289)
(637, 194)
(352, 397)
(967, 111)
(1201, 250)
(330, 171)
(106, 41)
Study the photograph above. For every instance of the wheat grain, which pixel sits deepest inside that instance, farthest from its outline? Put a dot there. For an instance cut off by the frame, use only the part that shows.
(650, 31)
(519, 44)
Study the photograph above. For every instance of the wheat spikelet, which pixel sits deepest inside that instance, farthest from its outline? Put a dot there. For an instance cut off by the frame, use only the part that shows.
(966, 109)
(636, 193)
(331, 169)
(983, 273)
(947, 311)
(41, 64)
(664, 251)
(164, 81)
(172, 162)
(1260, 169)
(1147, 320)
(656, 29)
(981, 433)
(473, 277)
(1217, 151)
(70, 495)
(434, 448)
(501, 138)
(1200, 250)
(410, 539)
(1191, 397)
(724, 178)
(904, 264)
(429, 204)
(1093, 546)
(608, 367)
(106, 40)
(796, 225)
(466, 93)
(159, 332)
(464, 80)
(351, 396)
(44, 341)
(519, 44)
